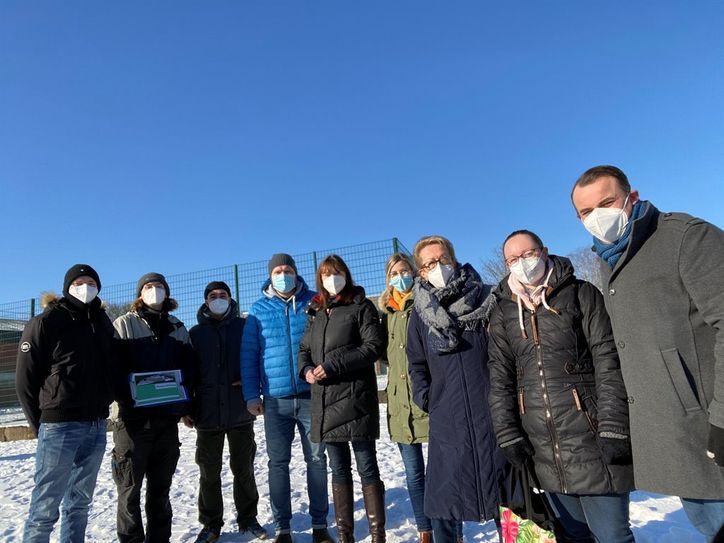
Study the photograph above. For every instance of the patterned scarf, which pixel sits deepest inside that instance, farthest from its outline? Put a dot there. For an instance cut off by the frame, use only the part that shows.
(611, 252)
(463, 304)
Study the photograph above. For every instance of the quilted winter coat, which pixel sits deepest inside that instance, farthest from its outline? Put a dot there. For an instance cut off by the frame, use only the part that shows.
(561, 385)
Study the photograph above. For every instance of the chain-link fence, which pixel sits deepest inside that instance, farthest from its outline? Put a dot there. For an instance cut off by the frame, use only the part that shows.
(366, 262)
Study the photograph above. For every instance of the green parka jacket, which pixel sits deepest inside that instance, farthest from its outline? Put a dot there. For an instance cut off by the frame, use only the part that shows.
(406, 422)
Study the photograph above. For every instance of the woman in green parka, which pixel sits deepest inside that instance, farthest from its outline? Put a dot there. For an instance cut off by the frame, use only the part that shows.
(407, 423)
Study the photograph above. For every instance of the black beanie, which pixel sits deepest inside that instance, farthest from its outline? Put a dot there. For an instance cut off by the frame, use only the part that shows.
(214, 285)
(282, 259)
(152, 277)
(75, 272)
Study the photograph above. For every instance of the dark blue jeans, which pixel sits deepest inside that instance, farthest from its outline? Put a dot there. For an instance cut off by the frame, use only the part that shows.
(586, 518)
(414, 463)
(281, 417)
(707, 516)
(67, 461)
(340, 461)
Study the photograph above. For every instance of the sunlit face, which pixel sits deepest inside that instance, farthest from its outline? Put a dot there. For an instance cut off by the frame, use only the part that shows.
(84, 280)
(430, 256)
(283, 269)
(521, 246)
(401, 268)
(328, 271)
(217, 294)
(603, 192)
(153, 284)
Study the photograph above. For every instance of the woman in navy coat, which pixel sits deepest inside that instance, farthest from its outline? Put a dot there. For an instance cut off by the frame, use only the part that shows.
(447, 355)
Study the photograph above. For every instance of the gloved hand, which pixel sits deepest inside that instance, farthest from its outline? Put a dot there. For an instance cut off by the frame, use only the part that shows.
(518, 452)
(715, 448)
(615, 451)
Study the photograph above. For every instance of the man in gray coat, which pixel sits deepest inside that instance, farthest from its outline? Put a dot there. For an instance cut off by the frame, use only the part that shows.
(663, 283)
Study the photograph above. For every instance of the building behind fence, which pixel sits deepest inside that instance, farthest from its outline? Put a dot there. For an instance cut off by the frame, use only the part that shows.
(366, 262)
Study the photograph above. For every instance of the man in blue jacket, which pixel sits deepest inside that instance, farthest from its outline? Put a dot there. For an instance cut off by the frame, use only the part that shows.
(269, 347)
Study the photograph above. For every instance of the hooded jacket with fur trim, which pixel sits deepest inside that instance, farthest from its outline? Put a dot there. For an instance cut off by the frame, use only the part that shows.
(65, 364)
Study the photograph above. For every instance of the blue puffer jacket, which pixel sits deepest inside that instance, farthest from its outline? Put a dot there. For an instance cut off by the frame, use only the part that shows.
(270, 344)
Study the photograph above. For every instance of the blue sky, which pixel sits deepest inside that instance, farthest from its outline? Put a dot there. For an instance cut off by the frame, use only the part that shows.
(177, 136)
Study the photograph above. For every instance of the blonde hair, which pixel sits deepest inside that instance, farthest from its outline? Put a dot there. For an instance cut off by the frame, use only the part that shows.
(391, 263)
(432, 240)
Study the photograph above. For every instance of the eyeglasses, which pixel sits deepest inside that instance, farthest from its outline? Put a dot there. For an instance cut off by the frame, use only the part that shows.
(444, 260)
(513, 260)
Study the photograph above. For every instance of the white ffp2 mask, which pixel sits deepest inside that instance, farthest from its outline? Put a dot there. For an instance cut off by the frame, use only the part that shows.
(439, 275)
(153, 296)
(334, 284)
(85, 293)
(606, 223)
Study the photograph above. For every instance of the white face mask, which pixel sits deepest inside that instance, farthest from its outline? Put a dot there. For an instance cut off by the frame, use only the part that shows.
(606, 223)
(439, 275)
(153, 296)
(529, 270)
(334, 284)
(218, 306)
(84, 293)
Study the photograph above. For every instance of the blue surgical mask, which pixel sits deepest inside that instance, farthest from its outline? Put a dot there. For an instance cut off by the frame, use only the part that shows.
(401, 283)
(284, 282)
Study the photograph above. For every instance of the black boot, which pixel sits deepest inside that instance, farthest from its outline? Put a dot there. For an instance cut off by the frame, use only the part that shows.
(321, 535)
(343, 511)
(374, 496)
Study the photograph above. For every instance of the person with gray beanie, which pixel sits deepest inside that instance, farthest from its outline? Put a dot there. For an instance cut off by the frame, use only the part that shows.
(269, 348)
(64, 381)
(146, 435)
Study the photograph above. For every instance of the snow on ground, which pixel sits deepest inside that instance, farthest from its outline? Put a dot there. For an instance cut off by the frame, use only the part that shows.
(655, 519)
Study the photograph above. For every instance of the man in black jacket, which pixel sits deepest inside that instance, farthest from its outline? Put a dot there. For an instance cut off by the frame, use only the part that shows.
(64, 383)
(220, 411)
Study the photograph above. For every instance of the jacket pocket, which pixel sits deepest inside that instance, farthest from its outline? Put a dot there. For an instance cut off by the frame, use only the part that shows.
(682, 386)
(584, 398)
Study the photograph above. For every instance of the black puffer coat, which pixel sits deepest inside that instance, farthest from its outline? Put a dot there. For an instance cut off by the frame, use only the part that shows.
(218, 400)
(561, 385)
(346, 339)
(66, 364)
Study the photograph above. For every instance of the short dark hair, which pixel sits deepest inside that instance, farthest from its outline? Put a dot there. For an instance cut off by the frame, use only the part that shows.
(535, 237)
(591, 175)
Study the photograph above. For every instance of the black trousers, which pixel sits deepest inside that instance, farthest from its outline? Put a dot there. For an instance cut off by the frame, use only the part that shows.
(147, 449)
(209, 457)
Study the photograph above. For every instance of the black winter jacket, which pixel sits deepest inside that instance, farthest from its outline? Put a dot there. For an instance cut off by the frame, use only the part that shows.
(218, 400)
(65, 365)
(561, 385)
(346, 339)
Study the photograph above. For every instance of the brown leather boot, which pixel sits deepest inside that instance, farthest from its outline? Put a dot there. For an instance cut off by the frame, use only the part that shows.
(425, 537)
(374, 496)
(343, 511)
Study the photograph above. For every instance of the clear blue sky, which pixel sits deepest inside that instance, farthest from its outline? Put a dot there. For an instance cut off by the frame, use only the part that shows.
(176, 136)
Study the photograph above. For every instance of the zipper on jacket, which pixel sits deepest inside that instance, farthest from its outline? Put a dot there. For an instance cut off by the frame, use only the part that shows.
(473, 440)
(546, 403)
(292, 373)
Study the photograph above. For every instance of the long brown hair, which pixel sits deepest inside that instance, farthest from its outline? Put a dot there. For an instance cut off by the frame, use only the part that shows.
(331, 264)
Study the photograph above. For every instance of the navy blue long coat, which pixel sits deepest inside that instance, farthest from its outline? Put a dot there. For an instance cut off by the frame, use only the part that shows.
(465, 469)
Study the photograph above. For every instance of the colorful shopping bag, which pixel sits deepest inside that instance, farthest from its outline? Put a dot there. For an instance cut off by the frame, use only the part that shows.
(517, 528)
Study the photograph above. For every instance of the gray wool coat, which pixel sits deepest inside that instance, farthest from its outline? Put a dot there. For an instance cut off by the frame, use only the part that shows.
(665, 297)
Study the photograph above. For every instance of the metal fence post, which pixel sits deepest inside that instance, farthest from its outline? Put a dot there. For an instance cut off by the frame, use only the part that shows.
(32, 307)
(236, 282)
(314, 260)
(395, 246)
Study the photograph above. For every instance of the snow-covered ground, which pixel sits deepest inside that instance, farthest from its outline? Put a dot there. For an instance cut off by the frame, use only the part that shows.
(655, 519)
